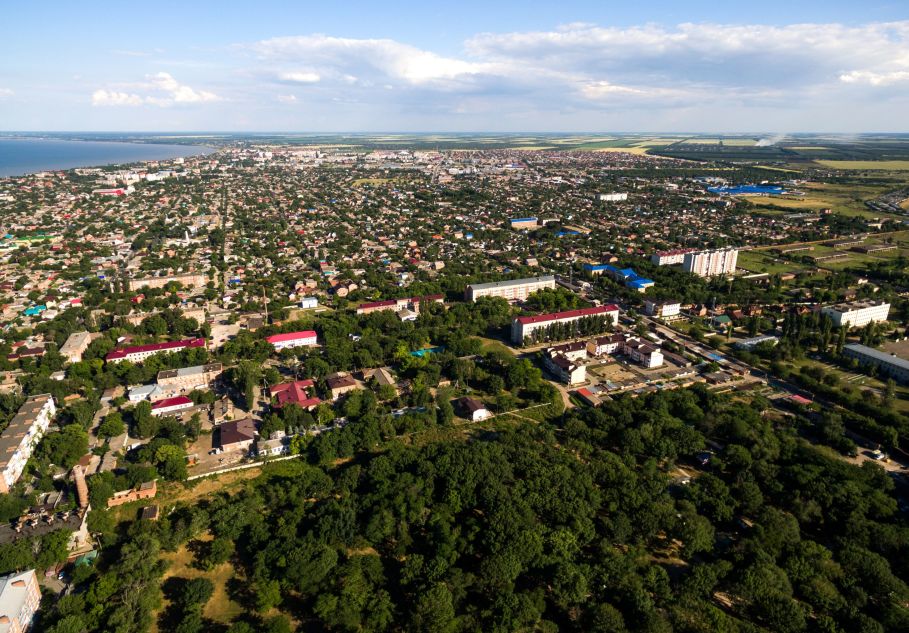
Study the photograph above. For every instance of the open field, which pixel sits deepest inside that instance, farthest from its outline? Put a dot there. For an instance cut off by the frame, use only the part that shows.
(844, 199)
(766, 262)
(883, 165)
(359, 182)
(640, 151)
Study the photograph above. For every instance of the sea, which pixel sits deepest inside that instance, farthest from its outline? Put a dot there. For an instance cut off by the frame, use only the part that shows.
(20, 156)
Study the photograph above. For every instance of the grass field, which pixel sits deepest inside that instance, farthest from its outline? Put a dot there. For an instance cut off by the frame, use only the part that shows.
(843, 199)
(879, 165)
(765, 262)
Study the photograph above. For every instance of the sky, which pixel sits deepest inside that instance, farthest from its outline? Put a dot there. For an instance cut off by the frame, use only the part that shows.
(495, 66)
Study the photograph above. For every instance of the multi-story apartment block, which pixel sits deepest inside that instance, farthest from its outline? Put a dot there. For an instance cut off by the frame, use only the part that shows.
(711, 263)
(19, 600)
(514, 290)
(19, 439)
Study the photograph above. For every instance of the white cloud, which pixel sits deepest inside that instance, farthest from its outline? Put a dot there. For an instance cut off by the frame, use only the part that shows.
(378, 58)
(114, 98)
(161, 90)
(300, 77)
(6, 93)
(875, 78)
(287, 98)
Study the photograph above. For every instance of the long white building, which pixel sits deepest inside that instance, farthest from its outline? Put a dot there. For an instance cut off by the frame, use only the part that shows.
(20, 437)
(523, 327)
(857, 313)
(711, 263)
(513, 290)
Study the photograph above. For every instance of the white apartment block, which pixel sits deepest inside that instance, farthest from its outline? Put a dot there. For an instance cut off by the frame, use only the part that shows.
(522, 327)
(662, 309)
(711, 263)
(857, 313)
(670, 258)
(19, 439)
(75, 346)
(612, 197)
(514, 290)
(19, 600)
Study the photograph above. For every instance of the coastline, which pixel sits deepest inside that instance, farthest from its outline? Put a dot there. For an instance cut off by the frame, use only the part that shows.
(73, 153)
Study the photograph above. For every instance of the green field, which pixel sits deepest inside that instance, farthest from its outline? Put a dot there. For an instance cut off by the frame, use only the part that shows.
(881, 165)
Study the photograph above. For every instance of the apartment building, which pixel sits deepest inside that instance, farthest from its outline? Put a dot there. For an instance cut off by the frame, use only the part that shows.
(711, 263)
(189, 378)
(523, 327)
(138, 353)
(670, 258)
(20, 437)
(513, 290)
(75, 346)
(408, 303)
(662, 309)
(857, 313)
(19, 600)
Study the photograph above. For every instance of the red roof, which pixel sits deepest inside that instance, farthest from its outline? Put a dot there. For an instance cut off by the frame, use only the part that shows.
(155, 347)
(292, 393)
(171, 402)
(568, 314)
(290, 336)
(799, 399)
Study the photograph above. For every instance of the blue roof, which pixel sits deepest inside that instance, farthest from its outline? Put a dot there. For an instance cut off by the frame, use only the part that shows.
(597, 266)
(640, 282)
(523, 220)
(628, 272)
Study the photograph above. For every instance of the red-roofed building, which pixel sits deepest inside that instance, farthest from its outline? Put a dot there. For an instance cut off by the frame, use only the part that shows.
(292, 339)
(294, 393)
(171, 405)
(523, 327)
(139, 353)
(408, 303)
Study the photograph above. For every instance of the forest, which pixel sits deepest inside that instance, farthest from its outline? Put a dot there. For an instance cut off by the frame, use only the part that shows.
(577, 523)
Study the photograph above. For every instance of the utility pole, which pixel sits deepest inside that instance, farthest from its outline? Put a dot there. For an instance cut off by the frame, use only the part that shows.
(265, 303)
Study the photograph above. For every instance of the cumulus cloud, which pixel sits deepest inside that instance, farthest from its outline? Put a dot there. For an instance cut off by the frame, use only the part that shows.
(287, 98)
(6, 93)
(160, 89)
(380, 58)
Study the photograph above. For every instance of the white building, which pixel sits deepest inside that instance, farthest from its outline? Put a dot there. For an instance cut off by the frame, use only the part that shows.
(75, 346)
(522, 327)
(670, 258)
(20, 437)
(19, 600)
(857, 313)
(612, 197)
(711, 263)
(513, 290)
(565, 369)
(309, 302)
(305, 338)
(662, 309)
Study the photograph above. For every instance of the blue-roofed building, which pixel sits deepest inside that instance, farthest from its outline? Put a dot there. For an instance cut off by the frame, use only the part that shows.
(524, 223)
(34, 310)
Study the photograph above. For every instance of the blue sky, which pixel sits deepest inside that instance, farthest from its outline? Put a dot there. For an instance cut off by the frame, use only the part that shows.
(468, 66)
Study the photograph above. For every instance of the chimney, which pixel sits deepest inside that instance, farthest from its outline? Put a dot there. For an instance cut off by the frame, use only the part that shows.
(81, 486)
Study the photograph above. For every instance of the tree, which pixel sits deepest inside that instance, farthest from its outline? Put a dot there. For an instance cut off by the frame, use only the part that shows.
(170, 460)
(112, 425)
(434, 611)
(195, 593)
